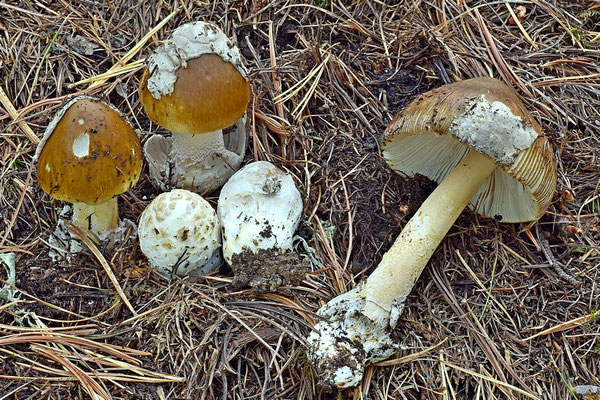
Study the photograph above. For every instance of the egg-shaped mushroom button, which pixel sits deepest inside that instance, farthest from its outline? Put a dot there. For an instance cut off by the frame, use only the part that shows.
(180, 233)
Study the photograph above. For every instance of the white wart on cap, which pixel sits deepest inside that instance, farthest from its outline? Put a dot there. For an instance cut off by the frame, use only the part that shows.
(437, 130)
(188, 42)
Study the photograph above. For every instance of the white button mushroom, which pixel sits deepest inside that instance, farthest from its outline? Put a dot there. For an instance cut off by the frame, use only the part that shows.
(179, 233)
(259, 209)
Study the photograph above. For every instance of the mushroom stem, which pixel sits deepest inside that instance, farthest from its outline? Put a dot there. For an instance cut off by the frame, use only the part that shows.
(187, 149)
(99, 219)
(389, 285)
(191, 153)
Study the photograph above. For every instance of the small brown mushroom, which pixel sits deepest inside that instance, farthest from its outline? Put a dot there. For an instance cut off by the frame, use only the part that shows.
(89, 155)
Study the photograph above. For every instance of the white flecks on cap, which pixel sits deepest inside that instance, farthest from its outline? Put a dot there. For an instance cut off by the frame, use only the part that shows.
(493, 129)
(179, 228)
(58, 117)
(187, 42)
(81, 145)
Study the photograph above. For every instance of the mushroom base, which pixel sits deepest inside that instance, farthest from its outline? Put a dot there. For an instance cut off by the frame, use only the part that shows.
(170, 168)
(356, 325)
(267, 270)
(65, 244)
(345, 341)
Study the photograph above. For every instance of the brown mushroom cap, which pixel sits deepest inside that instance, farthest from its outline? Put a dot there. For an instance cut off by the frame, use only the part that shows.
(209, 94)
(88, 154)
(436, 130)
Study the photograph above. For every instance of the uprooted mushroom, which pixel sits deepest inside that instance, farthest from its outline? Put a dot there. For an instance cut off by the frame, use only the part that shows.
(260, 209)
(477, 140)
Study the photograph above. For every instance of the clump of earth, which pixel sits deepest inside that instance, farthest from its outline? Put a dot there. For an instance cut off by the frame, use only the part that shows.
(268, 270)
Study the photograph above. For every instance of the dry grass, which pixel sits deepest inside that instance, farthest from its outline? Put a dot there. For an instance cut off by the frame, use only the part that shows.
(501, 312)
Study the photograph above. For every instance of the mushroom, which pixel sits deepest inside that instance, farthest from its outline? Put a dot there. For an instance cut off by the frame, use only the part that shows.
(89, 154)
(259, 209)
(195, 86)
(477, 140)
(179, 232)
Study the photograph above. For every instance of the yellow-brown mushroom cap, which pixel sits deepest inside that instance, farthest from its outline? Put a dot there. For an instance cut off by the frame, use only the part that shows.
(88, 154)
(209, 94)
(436, 130)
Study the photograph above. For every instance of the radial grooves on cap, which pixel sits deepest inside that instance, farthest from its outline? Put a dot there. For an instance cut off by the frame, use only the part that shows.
(535, 168)
(112, 164)
(209, 94)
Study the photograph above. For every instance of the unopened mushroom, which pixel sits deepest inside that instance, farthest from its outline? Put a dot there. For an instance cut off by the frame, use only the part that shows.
(195, 86)
(259, 209)
(89, 155)
(179, 232)
(477, 140)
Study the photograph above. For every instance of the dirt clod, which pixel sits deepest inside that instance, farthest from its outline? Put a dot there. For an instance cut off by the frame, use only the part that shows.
(268, 270)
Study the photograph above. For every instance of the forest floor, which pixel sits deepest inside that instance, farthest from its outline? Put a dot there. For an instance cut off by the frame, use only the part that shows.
(503, 311)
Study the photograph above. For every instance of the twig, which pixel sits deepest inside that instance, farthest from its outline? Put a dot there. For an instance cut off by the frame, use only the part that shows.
(492, 380)
(277, 89)
(575, 322)
(556, 265)
(86, 240)
(12, 111)
(410, 357)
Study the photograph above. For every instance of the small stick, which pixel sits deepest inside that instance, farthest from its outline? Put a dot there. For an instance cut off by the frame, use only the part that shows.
(277, 88)
(86, 240)
(350, 229)
(12, 111)
(555, 264)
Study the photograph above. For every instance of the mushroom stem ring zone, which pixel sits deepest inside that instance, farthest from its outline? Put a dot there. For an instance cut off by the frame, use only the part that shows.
(197, 156)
